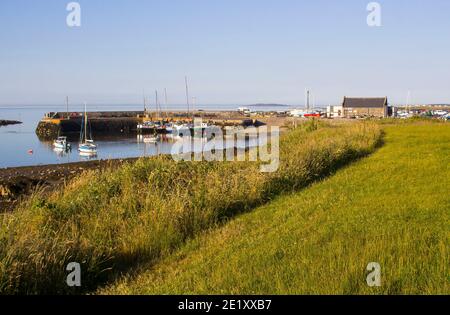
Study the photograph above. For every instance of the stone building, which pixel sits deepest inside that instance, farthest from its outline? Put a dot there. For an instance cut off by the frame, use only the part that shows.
(365, 107)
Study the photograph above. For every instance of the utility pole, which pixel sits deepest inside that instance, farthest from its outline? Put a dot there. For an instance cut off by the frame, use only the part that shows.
(193, 105)
(307, 100)
(165, 102)
(157, 102)
(67, 107)
(187, 94)
(408, 100)
(145, 103)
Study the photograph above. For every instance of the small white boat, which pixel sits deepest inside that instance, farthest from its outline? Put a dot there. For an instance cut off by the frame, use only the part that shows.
(152, 139)
(61, 143)
(177, 126)
(201, 126)
(86, 146)
(170, 127)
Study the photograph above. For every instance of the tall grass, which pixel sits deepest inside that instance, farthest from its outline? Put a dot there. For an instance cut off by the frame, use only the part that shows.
(111, 220)
(391, 208)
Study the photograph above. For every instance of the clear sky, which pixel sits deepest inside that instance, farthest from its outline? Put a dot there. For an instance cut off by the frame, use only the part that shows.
(234, 51)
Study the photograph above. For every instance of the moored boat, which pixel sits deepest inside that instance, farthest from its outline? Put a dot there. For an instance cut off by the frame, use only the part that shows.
(86, 146)
(151, 139)
(61, 143)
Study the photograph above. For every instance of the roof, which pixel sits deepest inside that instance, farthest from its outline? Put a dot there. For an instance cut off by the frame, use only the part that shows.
(365, 102)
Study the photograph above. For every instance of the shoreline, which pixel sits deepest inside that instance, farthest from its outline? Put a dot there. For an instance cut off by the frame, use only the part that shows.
(19, 182)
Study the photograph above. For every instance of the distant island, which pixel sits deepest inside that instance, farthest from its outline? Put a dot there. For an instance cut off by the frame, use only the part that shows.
(268, 105)
(9, 122)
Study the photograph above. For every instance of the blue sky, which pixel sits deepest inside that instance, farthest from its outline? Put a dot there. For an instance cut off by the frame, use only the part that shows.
(234, 51)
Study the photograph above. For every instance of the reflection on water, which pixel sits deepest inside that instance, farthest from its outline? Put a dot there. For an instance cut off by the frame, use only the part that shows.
(21, 147)
(61, 152)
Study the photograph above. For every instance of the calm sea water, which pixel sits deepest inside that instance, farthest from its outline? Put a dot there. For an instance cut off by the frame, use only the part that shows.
(17, 140)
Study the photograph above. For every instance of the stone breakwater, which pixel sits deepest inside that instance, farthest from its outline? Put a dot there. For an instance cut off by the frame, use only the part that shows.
(125, 122)
(51, 128)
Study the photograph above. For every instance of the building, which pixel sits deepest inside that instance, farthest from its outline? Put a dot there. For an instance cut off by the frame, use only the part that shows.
(334, 111)
(245, 111)
(365, 107)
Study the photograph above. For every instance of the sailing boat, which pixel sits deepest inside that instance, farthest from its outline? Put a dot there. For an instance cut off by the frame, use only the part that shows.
(61, 144)
(151, 139)
(86, 146)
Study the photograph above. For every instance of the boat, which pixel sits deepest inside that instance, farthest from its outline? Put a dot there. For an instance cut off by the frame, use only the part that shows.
(312, 114)
(152, 139)
(203, 125)
(86, 146)
(162, 128)
(147, 125)
(182, 130)
(179, 126)
(61, 143)
(169, 128)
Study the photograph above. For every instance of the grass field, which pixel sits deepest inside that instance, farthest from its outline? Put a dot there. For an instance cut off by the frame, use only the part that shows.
(109, 221)
(392, 208)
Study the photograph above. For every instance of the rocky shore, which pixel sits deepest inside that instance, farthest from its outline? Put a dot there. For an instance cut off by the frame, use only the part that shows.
(4, 122)
(17, 183)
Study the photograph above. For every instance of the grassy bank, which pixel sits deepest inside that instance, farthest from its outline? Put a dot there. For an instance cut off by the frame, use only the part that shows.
(392, 208)
(111, 220)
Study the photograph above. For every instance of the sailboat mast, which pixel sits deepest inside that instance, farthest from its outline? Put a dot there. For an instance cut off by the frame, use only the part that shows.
(408, 100)
(187, 94)
(85, 123)
(165, 102)
(145, 104)
(156, 105)
(67, 107)
(307, 100)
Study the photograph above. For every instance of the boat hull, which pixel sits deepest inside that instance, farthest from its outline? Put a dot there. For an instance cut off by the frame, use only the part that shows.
(61, 146)
(90, 149)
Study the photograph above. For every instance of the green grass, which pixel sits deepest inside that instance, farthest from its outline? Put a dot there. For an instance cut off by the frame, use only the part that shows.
(109, 221)
(392, 207)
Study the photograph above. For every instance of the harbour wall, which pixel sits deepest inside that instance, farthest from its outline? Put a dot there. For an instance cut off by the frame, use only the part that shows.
(51, 128)
(125, 122)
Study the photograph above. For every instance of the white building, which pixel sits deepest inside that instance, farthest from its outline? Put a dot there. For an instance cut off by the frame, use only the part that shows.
(244, 110)
(335, 111)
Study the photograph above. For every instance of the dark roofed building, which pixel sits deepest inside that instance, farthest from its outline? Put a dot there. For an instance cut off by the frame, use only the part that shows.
(365, 106)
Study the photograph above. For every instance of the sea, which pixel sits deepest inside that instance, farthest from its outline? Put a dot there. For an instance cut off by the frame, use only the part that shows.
(20, 146)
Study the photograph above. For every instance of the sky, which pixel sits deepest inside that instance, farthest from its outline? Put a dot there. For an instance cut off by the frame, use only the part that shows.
(233, 51)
